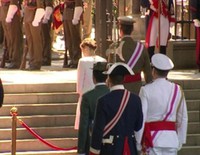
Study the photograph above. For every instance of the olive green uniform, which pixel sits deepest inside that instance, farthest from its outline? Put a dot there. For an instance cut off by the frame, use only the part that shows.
(46, 37)
(142, 65)
(72, 33)
(12, 33)
(33, 34)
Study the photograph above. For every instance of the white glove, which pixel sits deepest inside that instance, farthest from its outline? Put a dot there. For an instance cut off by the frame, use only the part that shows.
(180, 146)
(77, 14)
(196, 23)
(38, 17)
(11, 12)
(48, 12)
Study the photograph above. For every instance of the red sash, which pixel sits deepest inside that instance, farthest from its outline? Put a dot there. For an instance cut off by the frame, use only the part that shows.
(132, 78)
(147, 139)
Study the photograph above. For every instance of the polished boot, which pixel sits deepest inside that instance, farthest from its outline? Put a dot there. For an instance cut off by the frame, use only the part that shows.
(163, 49)
(151, 51)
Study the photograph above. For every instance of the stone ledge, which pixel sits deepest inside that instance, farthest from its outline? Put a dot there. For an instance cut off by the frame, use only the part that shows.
(182, 53)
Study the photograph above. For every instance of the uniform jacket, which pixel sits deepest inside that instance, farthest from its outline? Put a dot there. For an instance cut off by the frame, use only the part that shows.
(195, 5)
(69, 10)
(155, 103)
(30, 9)
(88, 106)
(130, 121)
(126, 48)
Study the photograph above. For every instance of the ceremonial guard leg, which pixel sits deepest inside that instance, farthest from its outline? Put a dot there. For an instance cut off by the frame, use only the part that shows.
(46, 33)
(33, 14)
(11, 22)
(72, 30)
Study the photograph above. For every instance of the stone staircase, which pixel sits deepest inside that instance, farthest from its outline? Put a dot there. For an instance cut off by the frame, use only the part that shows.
(49, 109)
(192, 94)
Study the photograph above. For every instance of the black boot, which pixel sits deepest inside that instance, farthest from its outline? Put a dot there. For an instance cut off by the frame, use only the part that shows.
(163, 49)
(151, 51)
(65, 63)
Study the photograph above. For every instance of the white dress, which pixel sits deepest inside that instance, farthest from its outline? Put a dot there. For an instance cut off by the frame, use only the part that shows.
(84, 80)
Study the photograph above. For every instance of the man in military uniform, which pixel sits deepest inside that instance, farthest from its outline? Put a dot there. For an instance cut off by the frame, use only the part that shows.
(133, 53)
(33, 14)
(164, 110)
(72, 30)
(163, 18)
(11, 22)
(118, 116)
(88, 107)
(46, 33)
(87, 18)
(195, 9)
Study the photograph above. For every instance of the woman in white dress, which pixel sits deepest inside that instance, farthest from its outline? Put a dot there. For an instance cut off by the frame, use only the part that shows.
(84, 72)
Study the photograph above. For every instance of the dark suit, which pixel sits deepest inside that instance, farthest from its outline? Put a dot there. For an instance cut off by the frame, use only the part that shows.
(131, 120)
(88, 106)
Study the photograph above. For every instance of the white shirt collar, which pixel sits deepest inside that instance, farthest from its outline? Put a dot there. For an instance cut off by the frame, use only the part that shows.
(117, 87)
(101, 83)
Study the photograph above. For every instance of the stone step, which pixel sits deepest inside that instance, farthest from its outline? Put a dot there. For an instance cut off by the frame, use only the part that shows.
(193, 128)
(193, 140)
(188, 84)
(37, 88)
(37, 145)
(39, 121)
(192, 94)
(41, 97)
(189, 150)
(193, 105)
(193, 116)
(40, 109)
(45, 132)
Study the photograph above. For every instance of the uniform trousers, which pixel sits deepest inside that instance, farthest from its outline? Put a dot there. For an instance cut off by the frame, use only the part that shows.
(72, 40)
(46, 39)
(35, 47)
(14, 38)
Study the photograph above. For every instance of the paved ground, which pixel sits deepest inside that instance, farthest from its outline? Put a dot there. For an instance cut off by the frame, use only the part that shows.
(57, 74)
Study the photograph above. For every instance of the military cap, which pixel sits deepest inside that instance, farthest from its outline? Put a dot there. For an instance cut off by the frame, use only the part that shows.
(100, 66)
(161, 62)
(126, 20)
(119, 69)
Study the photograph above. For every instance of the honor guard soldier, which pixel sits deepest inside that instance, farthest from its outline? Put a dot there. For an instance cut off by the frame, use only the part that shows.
(46, 32)
(164, 111)
(132, 53)
(11, 21)
(195, 9)
(162, 17)
(118, 116)
(33, 14)
(72, 15)
(88, 107)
